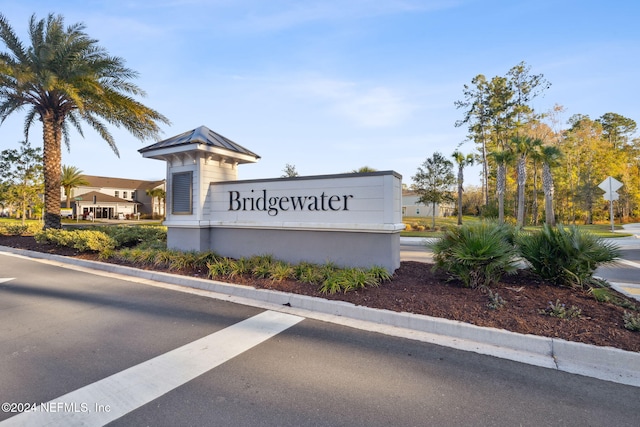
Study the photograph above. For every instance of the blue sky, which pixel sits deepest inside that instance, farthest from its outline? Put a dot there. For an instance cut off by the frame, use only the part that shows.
(330, 86)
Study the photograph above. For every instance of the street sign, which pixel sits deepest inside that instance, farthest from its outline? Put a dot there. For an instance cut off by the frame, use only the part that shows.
(610, 185)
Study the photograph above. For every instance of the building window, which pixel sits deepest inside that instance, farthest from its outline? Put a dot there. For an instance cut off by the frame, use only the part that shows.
(181, 191)
(124, 194)
(133, 195)
(117, 193)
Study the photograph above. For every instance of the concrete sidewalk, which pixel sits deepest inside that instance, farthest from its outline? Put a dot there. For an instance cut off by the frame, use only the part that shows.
(605, 363)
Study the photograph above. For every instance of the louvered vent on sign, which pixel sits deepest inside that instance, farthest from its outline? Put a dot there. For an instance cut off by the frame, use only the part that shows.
(182, 184)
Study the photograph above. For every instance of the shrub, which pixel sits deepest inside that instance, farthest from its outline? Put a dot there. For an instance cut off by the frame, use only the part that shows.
(19, 229)
(380, 273)
(307, 273)
(162, 258)
(128, 236)
(604, 294)
(261, 266)
(106, 239)
(631, 321)
(348, 279)
(240, 266)
(566, 256)
(496, 302)
(134, 255)
(359, 278)
(202, 259)
(82, 240)
(182, 260)
(13, 229)
(561, 311)
(478, 254)
(220, 267)
(90, 240)
(280, 271)
(332, 284)
(327, 270)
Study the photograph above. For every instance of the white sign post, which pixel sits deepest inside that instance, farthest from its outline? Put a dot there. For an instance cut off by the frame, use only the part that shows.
(610, 187)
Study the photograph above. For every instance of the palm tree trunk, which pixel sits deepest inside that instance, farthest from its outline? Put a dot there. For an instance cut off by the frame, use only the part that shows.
(501, 184)
(522, 179)
(485, 172)
(534, 197)
(52, 160)
(460, 190)
(548, 188)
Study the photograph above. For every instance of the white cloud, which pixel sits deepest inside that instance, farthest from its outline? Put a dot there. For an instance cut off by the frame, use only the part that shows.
(376, 106)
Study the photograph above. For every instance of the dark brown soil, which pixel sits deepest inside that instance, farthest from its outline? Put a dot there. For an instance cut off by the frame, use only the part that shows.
(414, 288)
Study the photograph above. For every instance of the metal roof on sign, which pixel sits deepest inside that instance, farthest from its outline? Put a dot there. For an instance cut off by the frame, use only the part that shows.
(201, 135)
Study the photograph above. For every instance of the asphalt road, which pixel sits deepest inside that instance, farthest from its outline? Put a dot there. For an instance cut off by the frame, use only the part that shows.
(126, 353)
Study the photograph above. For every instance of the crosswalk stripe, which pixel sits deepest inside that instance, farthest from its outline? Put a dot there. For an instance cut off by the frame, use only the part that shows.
(113, 397)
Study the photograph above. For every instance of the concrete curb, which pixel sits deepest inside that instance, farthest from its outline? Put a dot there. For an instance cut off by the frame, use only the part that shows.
(605, 363)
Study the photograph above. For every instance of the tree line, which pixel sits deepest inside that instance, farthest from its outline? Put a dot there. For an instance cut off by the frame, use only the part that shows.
(529, 157)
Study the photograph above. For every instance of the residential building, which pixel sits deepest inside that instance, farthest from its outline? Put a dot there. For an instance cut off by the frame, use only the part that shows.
(115, 198)
(411, 206)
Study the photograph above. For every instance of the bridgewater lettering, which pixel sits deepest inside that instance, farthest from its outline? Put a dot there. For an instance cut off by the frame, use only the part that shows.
(274, 204)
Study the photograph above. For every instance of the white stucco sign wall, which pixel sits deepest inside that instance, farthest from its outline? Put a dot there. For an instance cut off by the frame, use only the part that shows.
(350, 202)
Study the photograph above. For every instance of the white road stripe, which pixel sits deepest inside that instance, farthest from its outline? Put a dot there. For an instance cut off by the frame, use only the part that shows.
(6, 280)
(113, 397)
(627, 262)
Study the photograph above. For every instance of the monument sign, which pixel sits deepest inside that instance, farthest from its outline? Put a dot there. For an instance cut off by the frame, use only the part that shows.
(349, 219)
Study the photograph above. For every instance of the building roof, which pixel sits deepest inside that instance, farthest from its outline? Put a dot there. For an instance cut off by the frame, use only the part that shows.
(124, 183)
(201, 135)
(101, 198)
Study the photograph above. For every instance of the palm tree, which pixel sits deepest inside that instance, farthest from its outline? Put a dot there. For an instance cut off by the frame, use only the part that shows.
(551, 156)
(502, 158)
(537, 158)
(65, 78)
(524, 146)
(461, 161)
(71, 178)
(155, 193)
